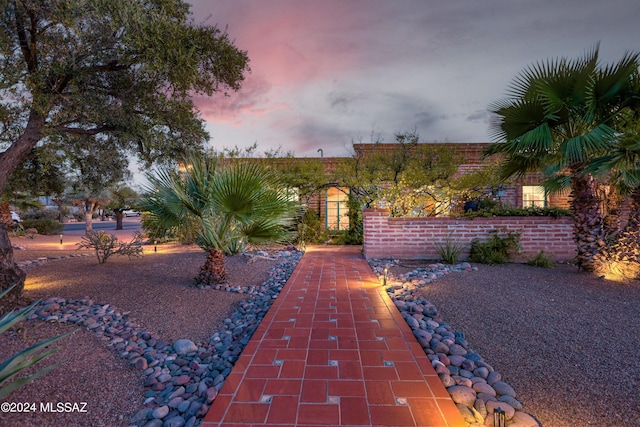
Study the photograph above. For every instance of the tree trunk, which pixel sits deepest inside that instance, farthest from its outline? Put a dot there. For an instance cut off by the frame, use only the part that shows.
(9, 272)
(588, 225)
(90, 207)
(118, 213)
(213, 272)
(9, 161)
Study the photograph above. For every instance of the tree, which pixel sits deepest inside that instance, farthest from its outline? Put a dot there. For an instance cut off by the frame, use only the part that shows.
(558, 116)
(124, 68)
(412, 178)
(95, 168)
(227, 205)
(121, 198)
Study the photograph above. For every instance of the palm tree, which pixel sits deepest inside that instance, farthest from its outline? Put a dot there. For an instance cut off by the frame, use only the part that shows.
(621, 168)
(559, 115)
(226, 207)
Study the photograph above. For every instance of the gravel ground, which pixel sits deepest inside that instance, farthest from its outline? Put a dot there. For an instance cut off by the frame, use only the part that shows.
(566, 341)
(155, 289)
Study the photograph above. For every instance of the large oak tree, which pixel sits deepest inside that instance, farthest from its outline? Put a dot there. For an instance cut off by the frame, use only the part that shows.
(123, 68)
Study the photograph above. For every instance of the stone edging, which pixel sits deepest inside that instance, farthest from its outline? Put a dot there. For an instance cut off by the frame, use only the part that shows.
(475, 387)
(181, 379)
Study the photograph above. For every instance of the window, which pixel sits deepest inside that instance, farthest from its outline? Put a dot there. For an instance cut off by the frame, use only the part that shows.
(533, 195)
(337, 210)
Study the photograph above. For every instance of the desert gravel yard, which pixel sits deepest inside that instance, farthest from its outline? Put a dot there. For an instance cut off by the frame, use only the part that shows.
(568, 342)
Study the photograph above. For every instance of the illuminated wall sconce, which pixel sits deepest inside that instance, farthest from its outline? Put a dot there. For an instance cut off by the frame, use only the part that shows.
(499, 418)
(386, 274)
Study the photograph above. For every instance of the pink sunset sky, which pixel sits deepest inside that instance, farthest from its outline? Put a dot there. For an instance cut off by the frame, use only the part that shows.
(325, 73)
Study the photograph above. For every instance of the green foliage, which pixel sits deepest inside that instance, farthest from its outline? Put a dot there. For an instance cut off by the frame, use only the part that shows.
(554, 212)
(355, 233)
(123, 70)
(226, 206)
(40, 214)
(106, 245)
(44, 226)
(310, 229)
(496, 250)
(449, 249)
(412, 179)
(25, 358)
(542, 260)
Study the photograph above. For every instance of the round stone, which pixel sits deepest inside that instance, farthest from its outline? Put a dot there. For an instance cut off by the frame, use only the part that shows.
(462, 394)
(184, 346)
(522, 419)
(503, 388)
(160, 412)
(509, 411)
(484, 388)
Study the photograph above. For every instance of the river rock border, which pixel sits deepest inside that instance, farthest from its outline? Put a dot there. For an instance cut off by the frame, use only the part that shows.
(182, 378)
(475, 387)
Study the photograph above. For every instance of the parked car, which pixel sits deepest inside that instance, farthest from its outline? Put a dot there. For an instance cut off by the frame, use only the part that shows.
(15, 217)
(130, 212)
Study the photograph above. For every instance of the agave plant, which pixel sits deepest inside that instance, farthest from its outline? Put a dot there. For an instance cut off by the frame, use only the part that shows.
(27, 357)
(226, 207)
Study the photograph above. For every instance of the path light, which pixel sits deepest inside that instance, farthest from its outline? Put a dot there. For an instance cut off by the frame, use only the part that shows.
(386, 274)
(155, 247)
(499, 417)
(60, 238)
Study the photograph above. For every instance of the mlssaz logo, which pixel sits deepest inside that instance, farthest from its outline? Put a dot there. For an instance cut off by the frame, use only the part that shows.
(63, 407)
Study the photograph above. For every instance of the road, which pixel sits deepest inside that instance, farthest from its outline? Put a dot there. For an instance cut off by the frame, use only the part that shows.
(129, 225)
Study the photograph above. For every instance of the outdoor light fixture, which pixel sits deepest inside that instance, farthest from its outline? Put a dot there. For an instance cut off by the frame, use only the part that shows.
(386, 273)
(60, 238)
(499, 418)
(155, 247)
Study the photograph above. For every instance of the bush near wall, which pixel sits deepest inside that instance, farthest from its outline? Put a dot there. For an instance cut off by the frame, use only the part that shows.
(414, 238)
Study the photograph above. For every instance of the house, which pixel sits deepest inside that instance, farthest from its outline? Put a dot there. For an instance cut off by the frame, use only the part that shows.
(330, 200)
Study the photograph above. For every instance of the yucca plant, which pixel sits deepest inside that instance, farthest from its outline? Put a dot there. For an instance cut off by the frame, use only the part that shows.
(226, 206)
(27, 357)
(449, 249)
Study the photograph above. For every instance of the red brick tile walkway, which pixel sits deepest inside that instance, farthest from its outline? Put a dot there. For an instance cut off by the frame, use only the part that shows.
(334, 351)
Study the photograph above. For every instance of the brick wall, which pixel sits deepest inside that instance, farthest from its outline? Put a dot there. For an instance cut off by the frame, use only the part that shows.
(413, 238)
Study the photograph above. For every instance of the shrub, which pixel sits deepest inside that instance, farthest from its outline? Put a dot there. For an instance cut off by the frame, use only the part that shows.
(310, 229)
(511, 211)
(542, 260)
(25, 358)
(449, 249)
(41, 214)
(495, 250)
(106, 245)
(354, 235)
(44, 226)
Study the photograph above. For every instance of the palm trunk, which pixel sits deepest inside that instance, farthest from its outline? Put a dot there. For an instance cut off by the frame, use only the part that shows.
(621, 259)
(588, 224)
(213, 272)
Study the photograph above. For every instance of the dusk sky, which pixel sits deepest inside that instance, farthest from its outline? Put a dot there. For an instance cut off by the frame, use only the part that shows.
(329, 72)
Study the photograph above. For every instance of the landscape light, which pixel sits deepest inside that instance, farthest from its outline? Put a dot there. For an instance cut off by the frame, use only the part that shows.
(155, 248)
(60, 238)
(386, 273)
(499, 417)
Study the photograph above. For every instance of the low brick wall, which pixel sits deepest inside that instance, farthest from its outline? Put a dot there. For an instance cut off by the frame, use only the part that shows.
(414, 238)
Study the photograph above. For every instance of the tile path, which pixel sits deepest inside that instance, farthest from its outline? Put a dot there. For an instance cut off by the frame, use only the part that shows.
(334, 351)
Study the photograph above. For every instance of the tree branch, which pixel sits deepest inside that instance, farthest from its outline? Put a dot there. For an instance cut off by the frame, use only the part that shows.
(81, 131)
